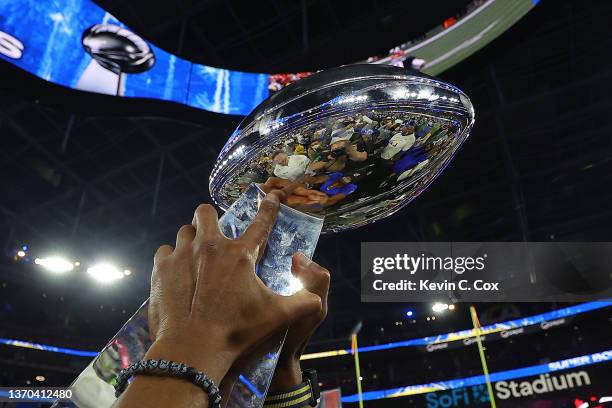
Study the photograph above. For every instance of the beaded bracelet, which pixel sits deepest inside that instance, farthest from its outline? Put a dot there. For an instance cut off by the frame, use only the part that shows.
(171, 369)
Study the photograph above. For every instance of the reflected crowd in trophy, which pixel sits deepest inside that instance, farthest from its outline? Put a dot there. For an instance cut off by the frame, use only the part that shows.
(362, 155)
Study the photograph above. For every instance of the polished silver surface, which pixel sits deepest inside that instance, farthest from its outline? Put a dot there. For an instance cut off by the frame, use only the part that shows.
(360, 141)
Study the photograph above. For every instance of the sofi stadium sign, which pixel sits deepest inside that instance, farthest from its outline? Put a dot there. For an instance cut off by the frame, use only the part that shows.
(524, 382)
(545, 383)
(508, 390)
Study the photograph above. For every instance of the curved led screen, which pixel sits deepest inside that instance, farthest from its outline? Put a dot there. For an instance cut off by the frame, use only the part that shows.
(77, 44)
(46, 39)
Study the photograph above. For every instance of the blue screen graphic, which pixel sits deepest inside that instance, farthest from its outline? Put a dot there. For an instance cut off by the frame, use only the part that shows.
(47, 35)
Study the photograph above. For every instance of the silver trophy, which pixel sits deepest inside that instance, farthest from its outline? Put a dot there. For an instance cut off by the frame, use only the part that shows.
(115, 52)
(357, 143)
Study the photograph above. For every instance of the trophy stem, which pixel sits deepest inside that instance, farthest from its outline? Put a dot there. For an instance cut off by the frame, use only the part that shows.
(293, 232)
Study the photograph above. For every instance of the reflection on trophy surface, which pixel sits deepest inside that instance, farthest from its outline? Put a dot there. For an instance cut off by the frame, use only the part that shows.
(350, 137)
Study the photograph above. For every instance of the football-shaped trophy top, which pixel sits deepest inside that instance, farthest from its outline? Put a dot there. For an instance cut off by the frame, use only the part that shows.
(117, 49)
(357, 142)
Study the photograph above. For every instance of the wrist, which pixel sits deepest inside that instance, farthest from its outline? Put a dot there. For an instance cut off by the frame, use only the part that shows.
(211, 359)
(288, 374)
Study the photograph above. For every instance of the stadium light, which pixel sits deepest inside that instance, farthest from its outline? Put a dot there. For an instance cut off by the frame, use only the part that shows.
(105, 273)
(409, 313)
(21, 253)
(55, 264)
(439, 307)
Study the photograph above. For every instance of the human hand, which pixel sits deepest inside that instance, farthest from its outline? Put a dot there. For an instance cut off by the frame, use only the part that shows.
(315, 279)
(317, 165)
(297, 195)
(207, 306)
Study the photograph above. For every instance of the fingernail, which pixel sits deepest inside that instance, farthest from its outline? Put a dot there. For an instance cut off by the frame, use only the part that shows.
(304, 259)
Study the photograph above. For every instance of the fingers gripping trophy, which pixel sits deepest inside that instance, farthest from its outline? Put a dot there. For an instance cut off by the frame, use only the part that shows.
(347, 146)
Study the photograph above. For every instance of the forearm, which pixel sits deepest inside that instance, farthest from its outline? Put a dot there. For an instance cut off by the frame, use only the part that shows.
(317, 165)
(287, 375)
(154, 391)
(356, 155)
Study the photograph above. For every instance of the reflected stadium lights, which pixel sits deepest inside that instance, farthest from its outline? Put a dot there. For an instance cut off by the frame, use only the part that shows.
(105, 273)
(401, 93)
(295, 285)
(351, 99)
(439, 307)
(425, 93)
(55, 264)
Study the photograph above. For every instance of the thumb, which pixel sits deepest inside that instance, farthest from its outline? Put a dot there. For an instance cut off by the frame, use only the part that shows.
(301, 304)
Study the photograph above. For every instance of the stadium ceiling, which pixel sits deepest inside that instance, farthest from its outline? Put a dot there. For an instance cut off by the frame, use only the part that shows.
(307, 35)
(280, 35)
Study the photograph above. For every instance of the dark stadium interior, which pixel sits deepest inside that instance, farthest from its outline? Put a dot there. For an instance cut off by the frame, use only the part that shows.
(98, 176)
(277, 35)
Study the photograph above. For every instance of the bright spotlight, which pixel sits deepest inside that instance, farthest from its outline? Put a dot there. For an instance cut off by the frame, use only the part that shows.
(409, 313)
(127, 272)
(21, 253)
(55, 264)
(40, 378)
(295, 285)
(439, 307)
(105, 273)
(451, 307)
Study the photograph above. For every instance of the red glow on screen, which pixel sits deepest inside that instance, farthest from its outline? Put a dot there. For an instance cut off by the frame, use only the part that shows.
(449, 22)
